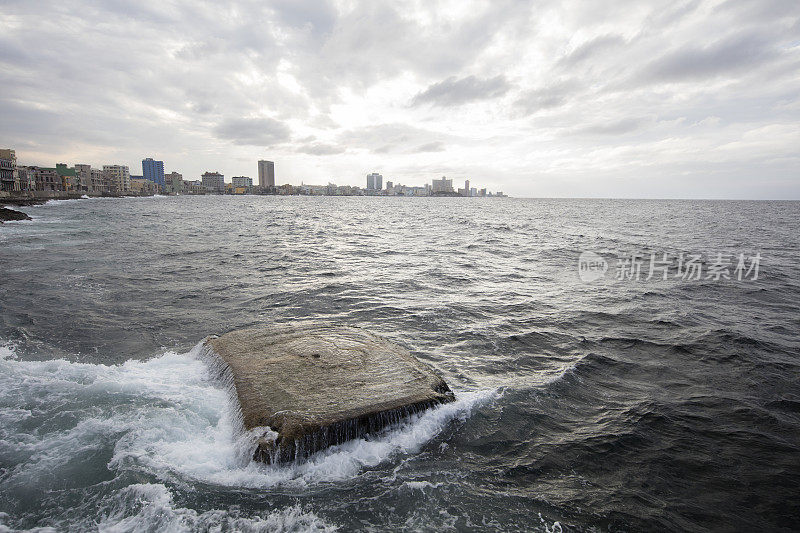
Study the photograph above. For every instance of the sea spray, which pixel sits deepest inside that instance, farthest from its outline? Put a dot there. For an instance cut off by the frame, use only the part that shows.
(174, 417)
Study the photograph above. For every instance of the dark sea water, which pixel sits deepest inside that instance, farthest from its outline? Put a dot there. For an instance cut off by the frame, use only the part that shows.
(615, 405)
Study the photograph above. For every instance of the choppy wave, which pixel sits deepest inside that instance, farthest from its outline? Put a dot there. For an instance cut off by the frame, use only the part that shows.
(169, 419)
(625, 406)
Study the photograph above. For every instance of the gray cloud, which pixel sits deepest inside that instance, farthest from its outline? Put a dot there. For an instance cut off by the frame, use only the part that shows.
(436, 146)
(320, 149)
(614, 127)
(453, 91)
(319, 16)
(605, 89)
(542, 98)
(253, 131)
(591, 48)
(732, 54)
(395, 138)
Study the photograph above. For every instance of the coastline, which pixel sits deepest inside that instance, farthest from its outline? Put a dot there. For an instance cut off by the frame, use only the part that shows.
(42, 197)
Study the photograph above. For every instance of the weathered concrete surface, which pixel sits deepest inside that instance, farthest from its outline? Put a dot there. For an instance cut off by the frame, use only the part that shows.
(321, 385)
(10, 214)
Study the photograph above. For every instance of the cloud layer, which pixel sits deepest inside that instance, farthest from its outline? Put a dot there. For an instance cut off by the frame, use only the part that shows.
(556, 98)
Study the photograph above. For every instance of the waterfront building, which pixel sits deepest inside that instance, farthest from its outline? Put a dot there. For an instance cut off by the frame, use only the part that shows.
(266, 174)
(173, 183)
(374, 182)
(144, 187)
(214, 182)
(118, 178)
(242, 182)
(287, 189)
(9, 176)
(348, 190)
(153, 170)
(443, 184)
(27, 179)
(194, 187)
(47, 179)
(68, 177)
(90, 179)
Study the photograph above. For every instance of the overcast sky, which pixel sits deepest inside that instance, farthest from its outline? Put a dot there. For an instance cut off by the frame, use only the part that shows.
(659, 99)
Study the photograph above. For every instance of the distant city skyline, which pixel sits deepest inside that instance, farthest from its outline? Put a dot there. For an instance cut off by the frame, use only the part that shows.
(22, 180)
(655, 100)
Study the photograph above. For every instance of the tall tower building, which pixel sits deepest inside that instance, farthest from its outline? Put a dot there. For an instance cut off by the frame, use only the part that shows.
(266, 174)
(153, 170)
(374, 181)
(443, 185)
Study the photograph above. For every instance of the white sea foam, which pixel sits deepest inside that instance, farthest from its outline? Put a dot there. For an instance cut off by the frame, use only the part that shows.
(7, 350)
(171, 418)
(54, 201)
(154, 510)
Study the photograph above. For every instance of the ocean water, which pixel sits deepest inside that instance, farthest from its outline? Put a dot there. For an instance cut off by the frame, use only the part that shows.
(611, 405)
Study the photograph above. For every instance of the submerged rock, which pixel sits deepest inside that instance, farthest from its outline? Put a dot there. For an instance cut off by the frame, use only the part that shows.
(316, 386)
(7, 214)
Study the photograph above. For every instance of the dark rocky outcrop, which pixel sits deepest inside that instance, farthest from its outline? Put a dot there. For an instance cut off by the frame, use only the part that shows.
(7, 214)
(316, 386)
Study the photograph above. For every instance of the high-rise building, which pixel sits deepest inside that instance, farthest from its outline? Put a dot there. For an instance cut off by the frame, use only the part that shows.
(266, 174)
(442, 185)
(118, 177)
(153, 170)
(213, 182)
(374, 181)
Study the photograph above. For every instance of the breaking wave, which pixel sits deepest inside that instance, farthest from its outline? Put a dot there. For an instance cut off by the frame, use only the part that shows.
(168, 419)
